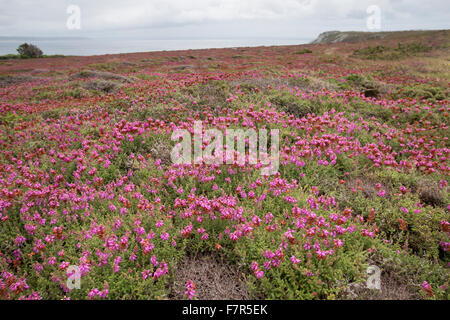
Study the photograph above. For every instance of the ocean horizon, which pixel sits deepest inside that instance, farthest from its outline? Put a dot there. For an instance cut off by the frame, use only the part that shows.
(93, 46)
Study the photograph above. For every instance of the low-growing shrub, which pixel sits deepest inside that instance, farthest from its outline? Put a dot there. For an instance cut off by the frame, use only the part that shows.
(104, 86)
(421, 91)
(29, 51)
(294, 105)
(303, 51)
(392, 53)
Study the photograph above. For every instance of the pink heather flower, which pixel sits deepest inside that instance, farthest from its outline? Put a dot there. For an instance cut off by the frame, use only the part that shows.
(146, 274)
(34, 296)
(269, 254)
(294, 260)
(140, 231)
(160, 271)
(256, 220)
(64, 265)
(259, 274)
(290, 199)
(154, 261)
(96, 292)
(320, 254)
(205, 236)
(186, 231)
(19, 240)
(404, 210)
(38, 267)
(338, 243)
(445, 225)
(165, 236)
(159, 224)
(381, 193)
(117, 224)
(312, 203)
(151, 235)
(30, 228)
(428, 289)
(307, 246)
(93, 293)
(112, 207)
(190, 289)
(316, 245)
(92, 171)
(106, 164)
(445, 245)
(367, 233)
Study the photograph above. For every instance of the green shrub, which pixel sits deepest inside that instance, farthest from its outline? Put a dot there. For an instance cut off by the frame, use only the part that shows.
(10, 56)
(422, 91)
(303, 51)
(390, 53)
(293, 105)
(29, 51)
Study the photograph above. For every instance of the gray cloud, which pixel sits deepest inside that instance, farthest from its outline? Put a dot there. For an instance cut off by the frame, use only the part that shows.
(214, 18)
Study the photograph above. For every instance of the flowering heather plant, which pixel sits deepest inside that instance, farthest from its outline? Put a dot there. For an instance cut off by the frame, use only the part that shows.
(190, 289)
(86, 179)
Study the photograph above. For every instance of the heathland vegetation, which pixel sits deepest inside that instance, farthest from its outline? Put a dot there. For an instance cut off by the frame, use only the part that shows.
(88, 188)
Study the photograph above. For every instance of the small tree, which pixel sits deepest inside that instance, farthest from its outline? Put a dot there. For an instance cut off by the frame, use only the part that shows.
(29, 50)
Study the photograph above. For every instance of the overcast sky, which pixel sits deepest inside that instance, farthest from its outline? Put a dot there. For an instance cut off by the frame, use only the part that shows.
(215, 19)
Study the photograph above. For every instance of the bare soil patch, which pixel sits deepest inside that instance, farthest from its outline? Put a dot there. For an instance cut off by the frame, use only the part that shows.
(392, 288)
(214, 279)
(394, 284)
(6, 81)
(102, 75)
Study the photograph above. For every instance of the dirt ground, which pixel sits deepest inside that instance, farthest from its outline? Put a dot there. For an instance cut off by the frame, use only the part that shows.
(214, 279)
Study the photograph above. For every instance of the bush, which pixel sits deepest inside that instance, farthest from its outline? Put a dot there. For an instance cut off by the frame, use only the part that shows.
(103, 86)
(9, 56)
(390, 53)
(370, 52)
(29, 51)
(303, 51)
(421, 91)
(363, 84)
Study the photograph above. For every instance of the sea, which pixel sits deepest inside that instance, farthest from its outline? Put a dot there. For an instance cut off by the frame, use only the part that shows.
(93, 46)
